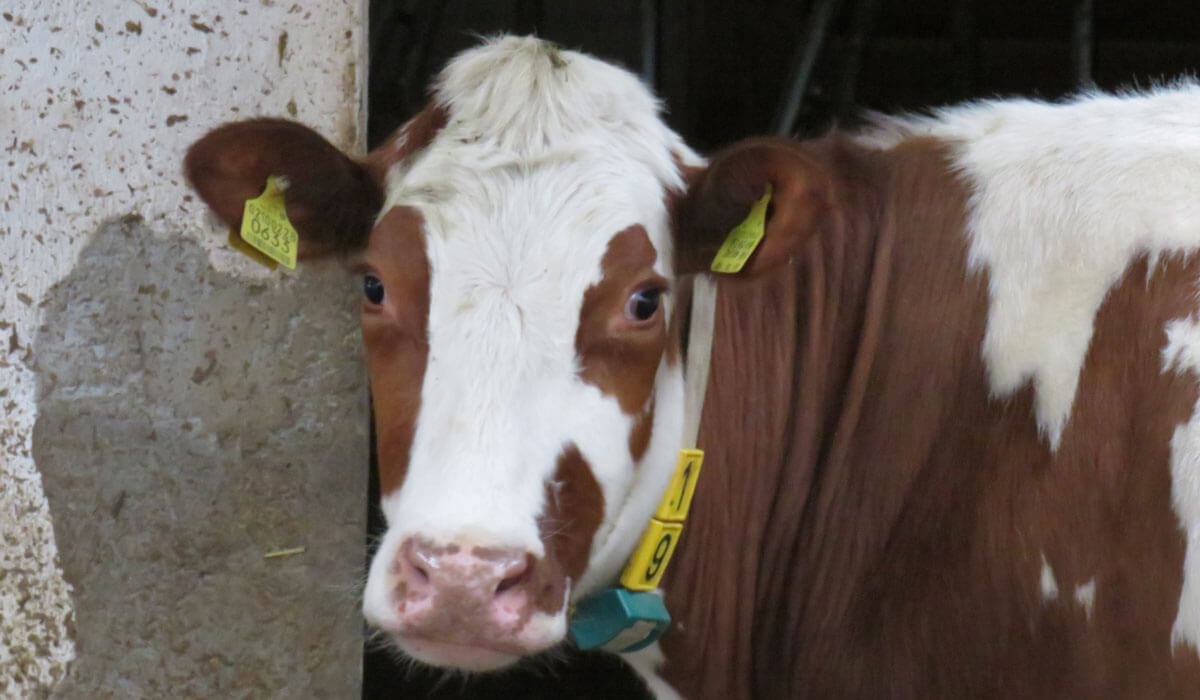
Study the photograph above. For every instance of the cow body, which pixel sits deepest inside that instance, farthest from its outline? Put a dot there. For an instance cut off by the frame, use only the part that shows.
(949, 424)
(950, 442)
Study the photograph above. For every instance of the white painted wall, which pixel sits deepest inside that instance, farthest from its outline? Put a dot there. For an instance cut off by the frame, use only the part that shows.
(164, 489)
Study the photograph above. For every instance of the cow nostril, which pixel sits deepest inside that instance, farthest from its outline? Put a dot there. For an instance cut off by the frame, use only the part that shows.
(516, 575)
(415, 564)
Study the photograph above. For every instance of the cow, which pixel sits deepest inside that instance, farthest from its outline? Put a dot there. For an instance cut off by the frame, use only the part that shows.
(520, 331)
(950, 418)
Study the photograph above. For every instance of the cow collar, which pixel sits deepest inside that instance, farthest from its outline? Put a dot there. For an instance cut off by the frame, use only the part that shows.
(631, 616)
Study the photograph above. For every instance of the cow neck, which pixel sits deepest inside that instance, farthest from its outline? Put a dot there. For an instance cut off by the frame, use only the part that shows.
(792, 354)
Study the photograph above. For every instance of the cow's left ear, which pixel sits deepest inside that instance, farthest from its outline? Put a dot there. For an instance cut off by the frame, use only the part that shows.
(331, 199)
(720, 197)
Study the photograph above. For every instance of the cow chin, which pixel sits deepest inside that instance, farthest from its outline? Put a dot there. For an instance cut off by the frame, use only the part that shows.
(462, 657)
(484, 650)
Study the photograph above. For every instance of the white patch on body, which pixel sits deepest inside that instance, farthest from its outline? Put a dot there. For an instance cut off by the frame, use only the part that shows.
(1047, 583)
(1063, 198)
(540, 164)
(1085, 595)
(1182, 354)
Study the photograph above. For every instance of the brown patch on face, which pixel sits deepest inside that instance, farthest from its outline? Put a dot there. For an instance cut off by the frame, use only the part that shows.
(639, 437)
(411, 137)
(395, 337)
(617, 355)
(573, 511)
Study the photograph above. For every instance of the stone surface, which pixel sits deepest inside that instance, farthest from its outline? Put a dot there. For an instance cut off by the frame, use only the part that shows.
(193, 411)
(188, 425)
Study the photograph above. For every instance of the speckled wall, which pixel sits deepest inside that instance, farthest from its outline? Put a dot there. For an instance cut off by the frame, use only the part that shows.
(172, 413)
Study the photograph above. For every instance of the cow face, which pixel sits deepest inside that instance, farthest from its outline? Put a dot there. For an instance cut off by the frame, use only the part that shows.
(517, 318)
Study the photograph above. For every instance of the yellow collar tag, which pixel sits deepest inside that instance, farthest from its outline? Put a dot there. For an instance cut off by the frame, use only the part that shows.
(739, 245)
(266, 228)
(649, 561)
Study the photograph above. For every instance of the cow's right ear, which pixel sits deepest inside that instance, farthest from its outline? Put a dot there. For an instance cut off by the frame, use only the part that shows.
(331, 200)
(720, 197)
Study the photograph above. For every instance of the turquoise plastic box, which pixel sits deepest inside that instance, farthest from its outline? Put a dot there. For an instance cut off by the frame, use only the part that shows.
(619, 620)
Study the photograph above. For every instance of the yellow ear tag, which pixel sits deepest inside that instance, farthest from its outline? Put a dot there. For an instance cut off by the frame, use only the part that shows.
(235, 241)
(743, 239)
(265, 226)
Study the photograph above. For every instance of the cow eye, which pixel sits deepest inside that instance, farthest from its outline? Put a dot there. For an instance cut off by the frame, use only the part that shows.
(642, 304)
(373, 289)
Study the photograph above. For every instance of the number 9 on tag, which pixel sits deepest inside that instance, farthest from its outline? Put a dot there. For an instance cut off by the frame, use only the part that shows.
(649, 561)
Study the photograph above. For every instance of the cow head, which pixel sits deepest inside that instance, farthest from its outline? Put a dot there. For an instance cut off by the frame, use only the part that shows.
(514, 247)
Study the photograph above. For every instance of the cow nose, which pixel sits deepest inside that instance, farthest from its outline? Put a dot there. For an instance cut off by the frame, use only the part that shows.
(427, 568)
(440, 587)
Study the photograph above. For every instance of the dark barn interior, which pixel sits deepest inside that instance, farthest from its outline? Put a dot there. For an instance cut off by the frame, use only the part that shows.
(727, 70)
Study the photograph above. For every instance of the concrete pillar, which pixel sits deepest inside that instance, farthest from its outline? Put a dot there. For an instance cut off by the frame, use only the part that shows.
(172, 413)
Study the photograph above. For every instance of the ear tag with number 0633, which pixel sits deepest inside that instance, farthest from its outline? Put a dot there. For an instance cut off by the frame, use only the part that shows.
(739, 245)
(265, 226)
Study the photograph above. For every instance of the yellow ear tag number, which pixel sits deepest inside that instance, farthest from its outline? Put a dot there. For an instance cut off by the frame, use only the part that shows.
(265, 226)
(235, 241)
(739, 245)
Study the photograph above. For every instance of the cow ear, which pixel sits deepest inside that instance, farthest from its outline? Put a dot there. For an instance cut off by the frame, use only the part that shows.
(720, 197)
(331, 200)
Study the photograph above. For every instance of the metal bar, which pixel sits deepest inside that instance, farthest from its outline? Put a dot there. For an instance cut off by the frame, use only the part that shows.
(1083, 43)
(650, 32)
(809, 48)
(528, 17)
(416, 76)
(965, 48)
(861, 27)
(675, 19)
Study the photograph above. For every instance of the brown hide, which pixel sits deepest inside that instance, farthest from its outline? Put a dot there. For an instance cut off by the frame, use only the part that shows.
(395, 336)
(870, 524)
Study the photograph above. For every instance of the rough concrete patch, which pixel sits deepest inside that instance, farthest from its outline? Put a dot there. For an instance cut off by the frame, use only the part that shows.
(189, 422)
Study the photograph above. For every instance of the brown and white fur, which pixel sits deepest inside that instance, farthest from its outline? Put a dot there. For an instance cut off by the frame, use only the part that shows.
(949, 426)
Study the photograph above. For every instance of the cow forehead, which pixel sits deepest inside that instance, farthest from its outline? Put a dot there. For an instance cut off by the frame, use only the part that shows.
(520, 244)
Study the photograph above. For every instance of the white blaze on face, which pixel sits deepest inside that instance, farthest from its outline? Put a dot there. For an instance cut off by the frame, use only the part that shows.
(542, 161)
(511, 259)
